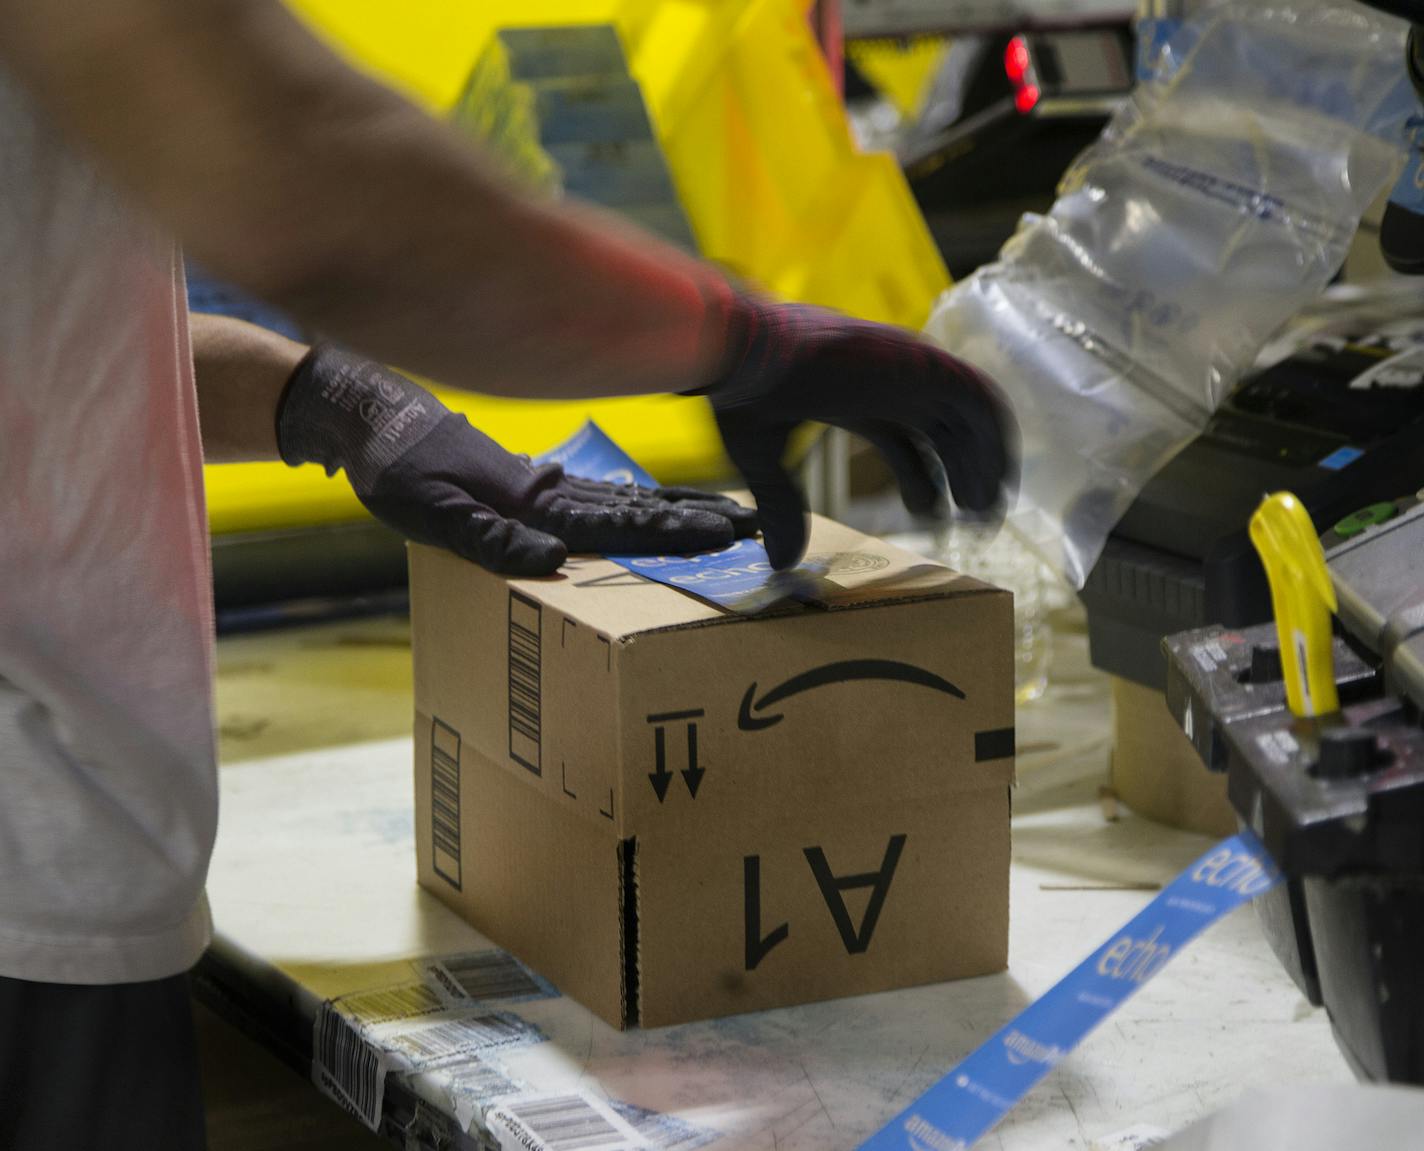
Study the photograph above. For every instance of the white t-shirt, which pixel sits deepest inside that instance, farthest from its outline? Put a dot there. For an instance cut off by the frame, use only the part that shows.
(108, 780)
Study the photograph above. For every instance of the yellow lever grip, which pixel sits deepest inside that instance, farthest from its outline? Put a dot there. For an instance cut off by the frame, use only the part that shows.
(1303, 599)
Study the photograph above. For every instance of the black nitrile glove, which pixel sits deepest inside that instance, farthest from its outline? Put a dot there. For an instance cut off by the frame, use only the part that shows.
(790, 363)
(423, 470)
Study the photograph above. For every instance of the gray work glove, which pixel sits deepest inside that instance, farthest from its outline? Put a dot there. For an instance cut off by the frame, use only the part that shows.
(922, 408)
(424, 471)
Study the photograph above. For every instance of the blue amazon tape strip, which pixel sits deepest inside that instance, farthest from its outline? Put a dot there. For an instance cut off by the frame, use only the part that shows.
(959, 1109)
(591, 454)
(739, 577)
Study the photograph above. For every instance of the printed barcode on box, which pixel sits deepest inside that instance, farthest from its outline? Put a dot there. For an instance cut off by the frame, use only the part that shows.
(347, 1068)
(408, 1001)
(524, 687)
(445, 802)
(484, 975)
(432, 1043)
(561, 1123)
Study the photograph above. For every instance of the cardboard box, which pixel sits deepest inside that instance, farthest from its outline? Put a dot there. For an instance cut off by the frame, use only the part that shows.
(674, 812)
(1155, 769)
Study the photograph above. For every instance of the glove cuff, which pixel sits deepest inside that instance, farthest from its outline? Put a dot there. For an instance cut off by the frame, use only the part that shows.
(732, 319)
(344, 411)
(760, 338)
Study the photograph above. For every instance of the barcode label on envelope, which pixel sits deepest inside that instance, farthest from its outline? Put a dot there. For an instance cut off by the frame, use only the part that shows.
(380, 1006)
(572, 1122)
(429, 1044)
(359, 1039)
(347, 1068)
(475, 1084)
(482, 975)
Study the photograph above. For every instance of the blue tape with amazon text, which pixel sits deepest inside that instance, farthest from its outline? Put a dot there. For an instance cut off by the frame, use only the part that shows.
(729, 578)
(959, 1109)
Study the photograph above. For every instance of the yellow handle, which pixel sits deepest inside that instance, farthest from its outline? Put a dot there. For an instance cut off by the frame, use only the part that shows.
(1303, 599)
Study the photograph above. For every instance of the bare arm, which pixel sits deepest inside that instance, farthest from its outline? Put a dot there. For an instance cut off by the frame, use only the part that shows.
(325, 193)
(241, 370)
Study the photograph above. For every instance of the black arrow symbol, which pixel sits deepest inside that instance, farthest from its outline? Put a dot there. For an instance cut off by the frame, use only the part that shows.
(842, 672)
(662, 777)
(692, 776)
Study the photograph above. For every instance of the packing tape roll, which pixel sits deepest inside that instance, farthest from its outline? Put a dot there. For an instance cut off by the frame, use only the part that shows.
(959, 1109)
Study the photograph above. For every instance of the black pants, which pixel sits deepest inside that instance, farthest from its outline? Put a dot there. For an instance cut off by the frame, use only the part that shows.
(112, 1067)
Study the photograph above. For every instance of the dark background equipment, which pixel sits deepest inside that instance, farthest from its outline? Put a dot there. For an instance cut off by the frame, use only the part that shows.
(1340, 423)
(1030, 103)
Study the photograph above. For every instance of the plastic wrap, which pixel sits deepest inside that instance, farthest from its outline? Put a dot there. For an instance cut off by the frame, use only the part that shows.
(1220, 199)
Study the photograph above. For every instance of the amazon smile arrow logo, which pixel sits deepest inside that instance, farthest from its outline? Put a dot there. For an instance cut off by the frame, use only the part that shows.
(843, 672)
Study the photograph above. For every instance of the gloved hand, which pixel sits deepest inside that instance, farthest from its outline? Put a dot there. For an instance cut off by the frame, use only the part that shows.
(914, 402)
(423, 470)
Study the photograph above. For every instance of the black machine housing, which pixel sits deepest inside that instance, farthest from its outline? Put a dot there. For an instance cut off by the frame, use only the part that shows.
(1337, 800)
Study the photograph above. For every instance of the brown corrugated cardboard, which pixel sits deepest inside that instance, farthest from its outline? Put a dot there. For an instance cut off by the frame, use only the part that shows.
(1155, 769)
(675, 812)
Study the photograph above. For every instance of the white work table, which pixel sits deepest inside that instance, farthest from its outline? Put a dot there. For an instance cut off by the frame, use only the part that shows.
(314, 896)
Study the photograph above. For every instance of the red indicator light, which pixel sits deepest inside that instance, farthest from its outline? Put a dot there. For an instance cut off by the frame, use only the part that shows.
(1016, 59)
(1025, 98)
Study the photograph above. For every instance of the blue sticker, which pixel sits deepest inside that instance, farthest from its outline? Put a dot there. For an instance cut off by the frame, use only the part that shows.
(973, 1097)
(1340, 458)
(723, 577)
(740, 576)
(591, 454)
